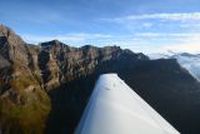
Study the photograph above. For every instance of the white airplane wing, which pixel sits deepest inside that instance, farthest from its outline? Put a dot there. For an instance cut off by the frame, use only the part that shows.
(114, 108)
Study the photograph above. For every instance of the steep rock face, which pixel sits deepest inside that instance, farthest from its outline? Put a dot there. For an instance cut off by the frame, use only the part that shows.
(60, 63)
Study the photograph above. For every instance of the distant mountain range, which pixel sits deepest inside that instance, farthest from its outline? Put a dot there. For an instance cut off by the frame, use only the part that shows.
(44, 88)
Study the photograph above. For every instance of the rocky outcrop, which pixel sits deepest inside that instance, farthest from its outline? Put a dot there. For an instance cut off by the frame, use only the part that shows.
(23, 102)
(44, 88)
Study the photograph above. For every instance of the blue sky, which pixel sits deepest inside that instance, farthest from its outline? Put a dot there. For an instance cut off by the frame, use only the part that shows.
(148, 26)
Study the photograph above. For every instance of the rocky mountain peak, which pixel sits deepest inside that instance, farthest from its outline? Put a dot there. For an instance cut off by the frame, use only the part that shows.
(6, 34)
(51, 43)
(5, 31)
(88, 47)
(55, 46)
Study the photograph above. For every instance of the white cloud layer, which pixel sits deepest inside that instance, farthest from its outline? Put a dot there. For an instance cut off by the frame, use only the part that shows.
(175, 42)
(160, 32)
(193, 16)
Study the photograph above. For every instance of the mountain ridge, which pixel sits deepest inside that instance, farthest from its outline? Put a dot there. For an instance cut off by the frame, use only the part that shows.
(53, 81)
